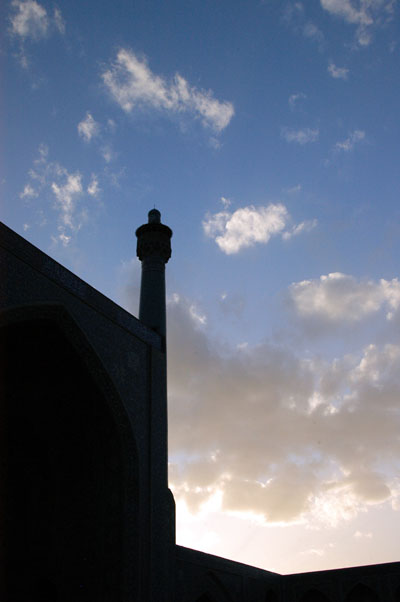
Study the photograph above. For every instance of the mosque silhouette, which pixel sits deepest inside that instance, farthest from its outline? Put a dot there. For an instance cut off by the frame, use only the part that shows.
(85, 510)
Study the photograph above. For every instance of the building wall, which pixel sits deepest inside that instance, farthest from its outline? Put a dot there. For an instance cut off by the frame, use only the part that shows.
(125, 362)
(203, 577)
(207, 578)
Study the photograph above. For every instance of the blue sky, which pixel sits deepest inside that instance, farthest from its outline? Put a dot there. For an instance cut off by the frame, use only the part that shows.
(267, 134)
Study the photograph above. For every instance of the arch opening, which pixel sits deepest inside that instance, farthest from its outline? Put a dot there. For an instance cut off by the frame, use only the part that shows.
(362, 593)
(61, 470)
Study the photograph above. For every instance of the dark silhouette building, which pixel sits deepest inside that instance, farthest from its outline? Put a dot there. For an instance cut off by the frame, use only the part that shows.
(85, 510)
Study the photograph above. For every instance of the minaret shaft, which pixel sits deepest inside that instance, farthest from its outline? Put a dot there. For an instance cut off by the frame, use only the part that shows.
(152, 310)
(153, 250)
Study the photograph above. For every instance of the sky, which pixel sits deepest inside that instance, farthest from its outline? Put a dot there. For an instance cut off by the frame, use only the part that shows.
(267, 134)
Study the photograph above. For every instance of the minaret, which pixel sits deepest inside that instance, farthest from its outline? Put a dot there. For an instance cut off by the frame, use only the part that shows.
(153, 250)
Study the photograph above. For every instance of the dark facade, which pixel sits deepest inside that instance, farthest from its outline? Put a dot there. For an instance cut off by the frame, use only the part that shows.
(85, 510)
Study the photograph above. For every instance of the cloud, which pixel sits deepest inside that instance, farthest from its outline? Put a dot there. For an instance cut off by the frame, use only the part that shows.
(245, 227)
(132, 84)
(93, 187)
(338, 72)
(293, 189)
(111, 125)
(244, 425)
(214, 142)
(346, 10)
(360, 534)
(226, 202)
(66, 195)
(191, 357)
(107, 153)
(59, 21)
(295, 98)
(365, 14)
(314, 552)
(339, 298)
(294, 15)
(305, 226)
(50, 182)
(30, 20)
(350, 142)
(310, 30)
(88, 128)
(28, 192)
(233, 231)
(302, 136)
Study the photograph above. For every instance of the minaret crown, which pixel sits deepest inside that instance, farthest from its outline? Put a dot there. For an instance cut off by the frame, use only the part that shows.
(154, 239)
(154, 250)
(154, 216)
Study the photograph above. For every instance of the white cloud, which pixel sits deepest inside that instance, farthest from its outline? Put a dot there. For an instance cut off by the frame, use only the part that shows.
(294, 15)
(295, 98)
(43, 154)
(293, 10)
(215, 142)
(63, 238)
(88, 128)
(50, 182)
(365, 14)
(305, 226)
(338, 72)
(112, 126)
(302, 136)
(66, 195)
(28, 192)
(233, 231)
(59, 21)
(314, 552)
(132, 84)
(338, 298)
(294, 189)
(30, 19)
(351, 141)
(93, 187)
(351, 14)
(107, 153)
(360, 534)
(226, 202)
(246, 226)
(197, 316)
(310, 30)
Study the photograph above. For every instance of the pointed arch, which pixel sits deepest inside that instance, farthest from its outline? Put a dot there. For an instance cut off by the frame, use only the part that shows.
(314, 595)
(212, 589)
(71, 463)
(217, 587)
(362, 593)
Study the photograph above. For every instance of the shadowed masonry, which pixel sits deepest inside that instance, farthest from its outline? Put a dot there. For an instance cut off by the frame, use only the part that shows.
(86, 513)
